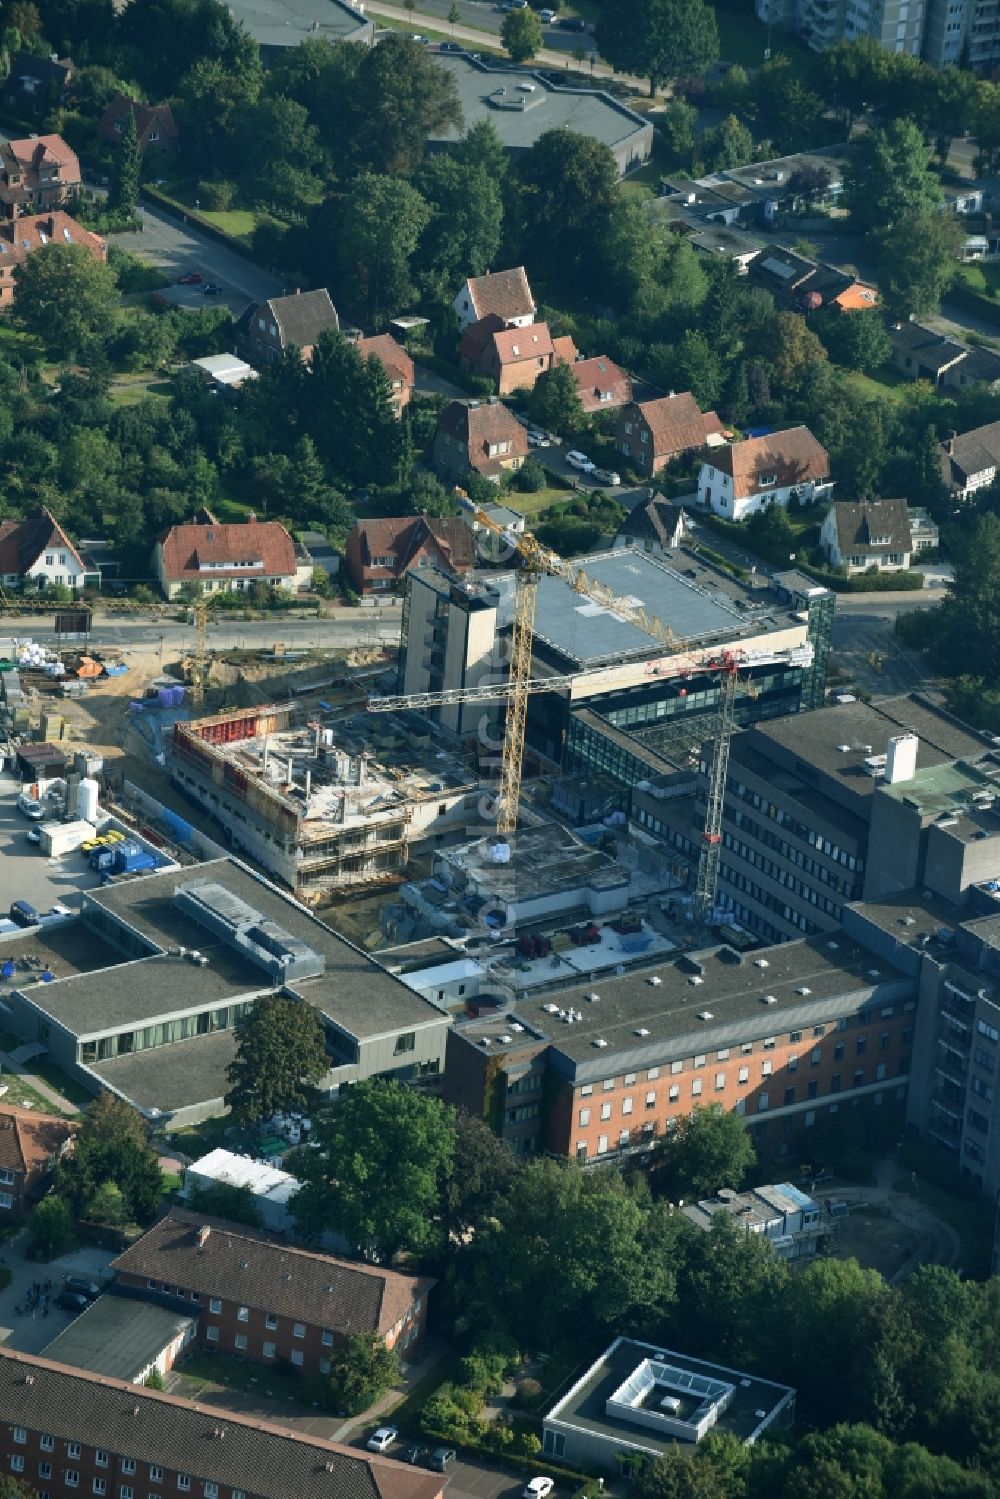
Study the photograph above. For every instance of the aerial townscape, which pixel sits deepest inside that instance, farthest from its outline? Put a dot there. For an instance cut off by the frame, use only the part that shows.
(499, 749)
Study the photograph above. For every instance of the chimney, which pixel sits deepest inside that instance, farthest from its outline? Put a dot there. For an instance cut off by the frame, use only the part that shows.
(202, 1235)
(950, 444)
(901, 758)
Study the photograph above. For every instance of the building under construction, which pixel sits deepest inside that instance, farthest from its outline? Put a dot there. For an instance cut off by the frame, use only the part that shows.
(324, 806)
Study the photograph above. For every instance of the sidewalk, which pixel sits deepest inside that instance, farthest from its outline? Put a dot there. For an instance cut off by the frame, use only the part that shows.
(12, 1063)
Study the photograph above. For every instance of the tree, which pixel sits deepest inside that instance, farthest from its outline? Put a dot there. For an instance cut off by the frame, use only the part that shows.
(888, 178)
(454, 16)
(857, 340)
(694, 365)
(360, 1373)
(677, 129)
(708, 1149)
(555, 402)
(521, 34)
(111, 1147)
(463, 234)
(571, 185)
(483, 1170)
(400, 97)
(222, 1199)
(728, 144)
(851, 76)
(955, 98)
(66, 297)
(50, 1227)
(380, 228)
(125, 182)
(786, 109)
(661, 39)
(376, 1174)
(790, 346)
(280, 1052)
(916, 260)
(13, 1488)
(770, 534)
(972, 605)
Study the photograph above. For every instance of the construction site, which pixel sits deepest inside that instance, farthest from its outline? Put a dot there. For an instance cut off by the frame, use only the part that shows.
(326, 803)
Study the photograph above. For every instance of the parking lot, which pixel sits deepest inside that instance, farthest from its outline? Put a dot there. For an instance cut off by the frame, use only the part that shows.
(28, 874)
(31, 1330)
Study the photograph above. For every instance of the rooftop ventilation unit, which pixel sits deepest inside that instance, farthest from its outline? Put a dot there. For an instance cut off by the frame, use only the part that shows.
(874, 973)
(642, 1031)
(550, 1008)
(654, 979)
(761, 963)
(517, 1029)
(760, 1415)
(600, 1042)
(845, 749)
(705, 1015)
(696, 978)
(504, 1039)
(594, 998)
(258, 938)
(770, 999)
(803, 989)
(908, 921)
(833, 946)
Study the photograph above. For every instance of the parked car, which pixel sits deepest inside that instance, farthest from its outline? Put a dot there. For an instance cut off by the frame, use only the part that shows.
(71, 1302)
(580, 460)
(192, 278)
(545, 16)
(538, 1488)
(573, 23)
(451, 47)
(441, 1459)
(33, 835)
(607, 476)
(415, 1452)
(80, 1286)
(538, 440)
(382, 1440)
(210, 289)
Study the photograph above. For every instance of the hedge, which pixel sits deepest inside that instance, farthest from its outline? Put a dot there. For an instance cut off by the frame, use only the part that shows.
(902, 582)
(176, 210)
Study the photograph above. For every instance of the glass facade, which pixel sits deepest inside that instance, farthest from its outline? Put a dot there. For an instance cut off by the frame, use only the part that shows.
(165, 1033)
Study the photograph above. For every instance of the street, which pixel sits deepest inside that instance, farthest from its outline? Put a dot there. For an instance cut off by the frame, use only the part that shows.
(177, 248)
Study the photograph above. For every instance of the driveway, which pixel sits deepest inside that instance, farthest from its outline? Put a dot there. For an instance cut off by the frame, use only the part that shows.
(177, 248)
(31, 1331)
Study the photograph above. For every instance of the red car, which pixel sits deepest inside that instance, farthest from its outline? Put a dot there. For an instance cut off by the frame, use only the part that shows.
(191, 279)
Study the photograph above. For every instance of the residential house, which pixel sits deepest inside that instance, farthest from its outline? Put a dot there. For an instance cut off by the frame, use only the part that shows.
(651, 433)
(396, 363)
(742, 477)
(265, 1299)
(979, 367)
(379, 553)
(969, 460)
(70, 1431)
(719, 240)
(36, 174)
(21, 237)
(925, 534)
(36, 552)
(266, 330)
(154, 123)
(921, 354)
(513, 358)
(601, 384)
(564, 350)
(481, 436)
(862, 534)
(797, 281)
(30, 1145)
(505, 294)
(35, 85)
(226, 557)
(657, 526)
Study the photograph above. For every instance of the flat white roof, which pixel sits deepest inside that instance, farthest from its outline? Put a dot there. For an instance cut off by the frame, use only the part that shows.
(223, 1166)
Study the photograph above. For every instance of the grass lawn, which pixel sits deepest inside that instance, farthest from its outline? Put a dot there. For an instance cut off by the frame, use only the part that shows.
(981, 277)
(47, 1070)
(743, 39)
(238, 223)
(251, 1379)
(135, 394)
(17, 346)
(884, 383)
(23, 1096)
(533, 504)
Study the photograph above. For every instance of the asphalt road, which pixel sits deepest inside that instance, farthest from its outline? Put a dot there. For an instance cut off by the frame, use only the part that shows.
(481, 21)
(177, 248)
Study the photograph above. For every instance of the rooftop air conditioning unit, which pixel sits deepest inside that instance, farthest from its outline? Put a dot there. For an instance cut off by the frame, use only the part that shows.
(642, 1031)
(761, 963)
(874, 973)
(705, 1015)
(654, 979)
(600, 1042)
(550, 1008)
(803, 989)
(833, 946)
(504, 1040)
(696, 978)
(770, 999)
(517, 1029)
(845, 749)
(594, 998)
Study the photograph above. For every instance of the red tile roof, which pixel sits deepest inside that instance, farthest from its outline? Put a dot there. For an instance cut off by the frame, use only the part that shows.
(145, 115)
(392, 356)
(477, 336)
(564, 350)
(29, 1141)
(792, 457)
(20, 237)
(677, 423)
(601, 377)
(39, 150)
(401, 536)
(534, 341)
(481, 426)
(266, 543)
(22, 542)
(506, 293)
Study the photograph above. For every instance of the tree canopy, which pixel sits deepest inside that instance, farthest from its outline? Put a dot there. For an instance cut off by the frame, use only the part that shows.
(280, 1054)
(67, 297)
(658, 39)
(709, 1148)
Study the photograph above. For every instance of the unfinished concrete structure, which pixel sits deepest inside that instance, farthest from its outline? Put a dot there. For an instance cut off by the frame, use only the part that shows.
(323, 807)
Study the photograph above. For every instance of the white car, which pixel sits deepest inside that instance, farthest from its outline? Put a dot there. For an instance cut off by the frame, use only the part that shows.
(538, 1488)
(545, 16)
(580, 461)
(382, 1440)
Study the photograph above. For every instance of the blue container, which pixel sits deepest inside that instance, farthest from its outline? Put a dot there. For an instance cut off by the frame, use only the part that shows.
(182, 831)
(178, 694)
(136, 707)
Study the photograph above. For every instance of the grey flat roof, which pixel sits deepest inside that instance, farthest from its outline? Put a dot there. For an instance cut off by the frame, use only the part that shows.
(910, 916)
(587, 633)
(585, 1405)
(815, 737)
(813, 801)
(354, 992)
(838, 973)
(286, 23)
(117, 1336)
(587, 111)
(168, 1078)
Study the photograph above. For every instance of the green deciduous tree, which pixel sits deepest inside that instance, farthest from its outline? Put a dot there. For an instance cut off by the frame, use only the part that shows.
(380, 228)
(465, 228)
(66, 297)
(50, 1227)
(400, 96)
(659, 39)
(708, 1149)
(789, 346)
(382, 1157)
(521, 34)
(280, 1053)
(555, 402)
(111, 1146)
(728, 144)
(222, 1199)
(970, 614)
(125, 182)
(483, 1169)
(888, 178)
(570, 187)
(857, 340)
(360, 1373)
(916, 259)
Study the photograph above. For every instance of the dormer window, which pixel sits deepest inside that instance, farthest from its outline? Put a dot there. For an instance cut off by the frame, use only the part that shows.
(766, 481)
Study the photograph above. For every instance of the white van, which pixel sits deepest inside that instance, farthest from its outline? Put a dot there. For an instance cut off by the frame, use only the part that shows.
(30, 807)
